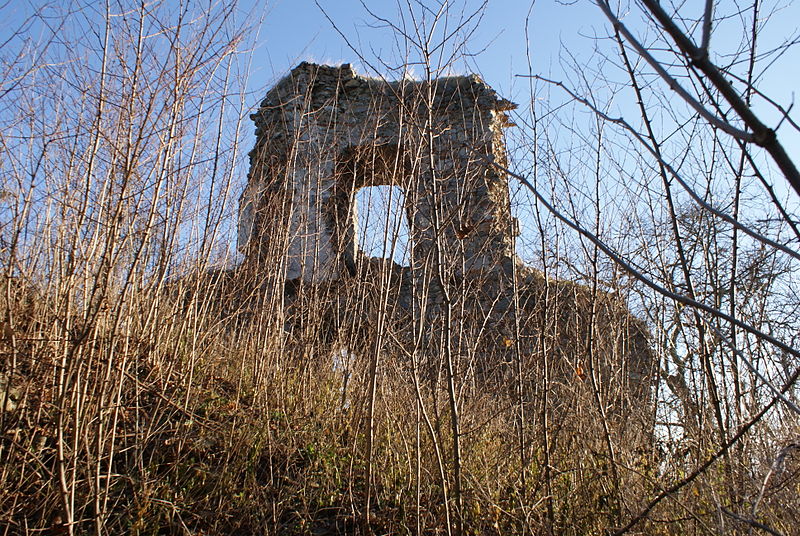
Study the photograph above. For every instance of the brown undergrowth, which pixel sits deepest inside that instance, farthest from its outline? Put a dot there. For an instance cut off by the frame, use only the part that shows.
(184, 424)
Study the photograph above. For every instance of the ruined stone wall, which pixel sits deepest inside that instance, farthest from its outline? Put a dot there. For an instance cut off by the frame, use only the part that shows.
(324, 132)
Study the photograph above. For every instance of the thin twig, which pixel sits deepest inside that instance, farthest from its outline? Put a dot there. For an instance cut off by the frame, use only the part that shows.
(752, 522)
(721, 124)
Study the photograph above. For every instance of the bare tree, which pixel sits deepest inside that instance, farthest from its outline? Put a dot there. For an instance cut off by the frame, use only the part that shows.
(697, 162)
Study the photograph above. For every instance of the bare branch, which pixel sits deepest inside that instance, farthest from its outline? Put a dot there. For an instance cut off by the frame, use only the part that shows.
(707, 14)
(721, 124)
(705, 465)
(640, 276)
(702, 202)
(752, 522)
(761, 134)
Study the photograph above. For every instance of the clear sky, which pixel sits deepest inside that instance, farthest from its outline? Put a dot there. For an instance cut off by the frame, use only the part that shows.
(551, 33)
(507, 33)
(291, 31)
(297, 30)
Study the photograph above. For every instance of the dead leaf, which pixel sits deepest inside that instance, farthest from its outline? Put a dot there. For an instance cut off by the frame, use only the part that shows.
(579, 372)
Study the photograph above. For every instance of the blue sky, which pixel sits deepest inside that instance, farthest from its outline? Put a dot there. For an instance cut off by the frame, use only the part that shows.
(297, 30)
(558, 33)
(290, 31)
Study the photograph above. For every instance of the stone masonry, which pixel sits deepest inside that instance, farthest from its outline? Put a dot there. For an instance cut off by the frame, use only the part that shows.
(324, 132)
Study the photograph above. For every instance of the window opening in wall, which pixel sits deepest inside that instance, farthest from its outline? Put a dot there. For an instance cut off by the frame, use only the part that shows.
(383, 229)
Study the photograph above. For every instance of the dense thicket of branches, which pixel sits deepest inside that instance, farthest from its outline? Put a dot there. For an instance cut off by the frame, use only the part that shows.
(138, 397)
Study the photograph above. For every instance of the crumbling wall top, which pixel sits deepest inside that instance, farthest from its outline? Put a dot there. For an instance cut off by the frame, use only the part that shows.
(450, 91)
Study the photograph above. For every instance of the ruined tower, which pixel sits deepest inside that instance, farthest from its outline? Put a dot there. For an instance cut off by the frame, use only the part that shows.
(324, 132)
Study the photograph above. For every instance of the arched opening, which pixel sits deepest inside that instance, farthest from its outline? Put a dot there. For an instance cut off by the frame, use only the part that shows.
(382, 229)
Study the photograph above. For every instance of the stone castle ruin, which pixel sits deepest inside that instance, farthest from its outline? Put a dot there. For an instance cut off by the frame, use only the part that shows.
(324, 132)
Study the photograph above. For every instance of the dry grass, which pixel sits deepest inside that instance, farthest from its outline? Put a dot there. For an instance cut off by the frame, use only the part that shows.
(187, 424)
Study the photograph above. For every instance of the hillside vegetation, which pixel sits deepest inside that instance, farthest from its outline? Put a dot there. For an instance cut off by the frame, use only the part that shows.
(151, 385)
